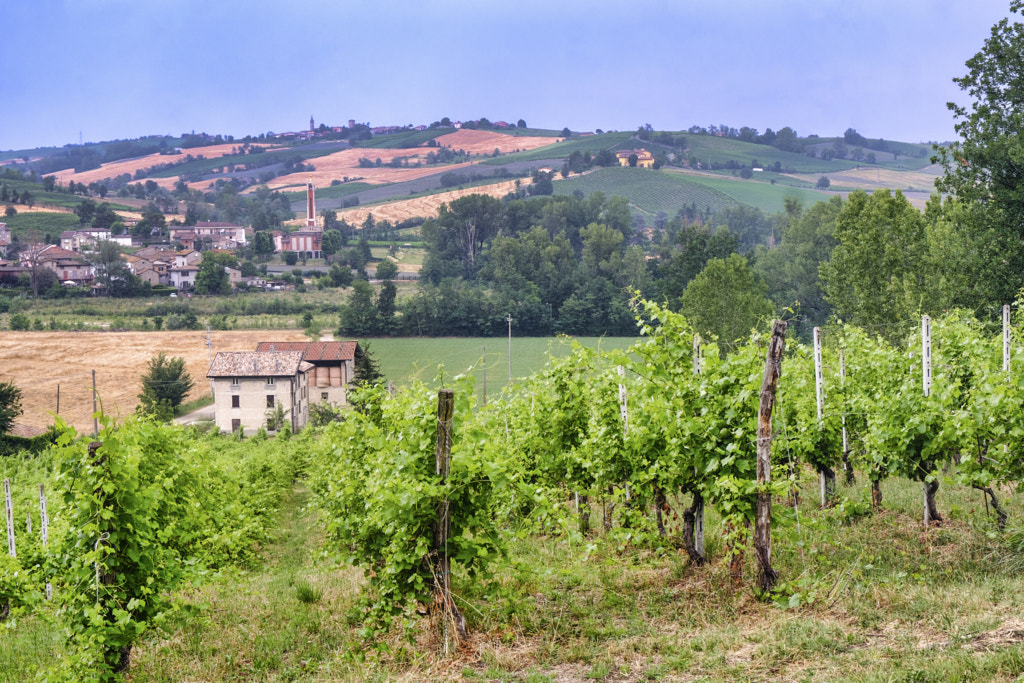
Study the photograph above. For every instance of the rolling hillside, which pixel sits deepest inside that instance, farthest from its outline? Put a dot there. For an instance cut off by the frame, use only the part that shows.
(648, 191)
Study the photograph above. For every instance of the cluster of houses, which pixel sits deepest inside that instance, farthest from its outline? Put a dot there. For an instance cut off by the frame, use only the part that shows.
(251, 387)
(153, 264)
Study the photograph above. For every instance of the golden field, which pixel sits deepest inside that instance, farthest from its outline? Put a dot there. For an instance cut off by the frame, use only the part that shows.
(37, 362)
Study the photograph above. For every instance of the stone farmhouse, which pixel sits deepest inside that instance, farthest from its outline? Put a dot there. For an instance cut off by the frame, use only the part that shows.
(250, 386)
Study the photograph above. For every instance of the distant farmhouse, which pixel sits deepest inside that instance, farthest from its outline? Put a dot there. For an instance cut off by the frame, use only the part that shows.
(644, 159)
(250, 386)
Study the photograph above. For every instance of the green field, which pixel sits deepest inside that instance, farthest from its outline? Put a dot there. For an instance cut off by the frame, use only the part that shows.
(206, 165)
(722, 150)
(409, 359)
(332, 191)
(403, 140)
(648, 191)
(562, 150)
(762, 195)
(32, 227)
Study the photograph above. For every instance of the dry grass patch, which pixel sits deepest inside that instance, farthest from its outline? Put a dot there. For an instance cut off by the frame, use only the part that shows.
(130, 166)
(37, 362)
(426, 207)
(486, 141)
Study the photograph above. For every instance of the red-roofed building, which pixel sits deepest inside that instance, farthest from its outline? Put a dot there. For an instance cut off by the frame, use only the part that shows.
(333, 367)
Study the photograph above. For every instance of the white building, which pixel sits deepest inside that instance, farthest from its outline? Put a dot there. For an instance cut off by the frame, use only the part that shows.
(250, 386)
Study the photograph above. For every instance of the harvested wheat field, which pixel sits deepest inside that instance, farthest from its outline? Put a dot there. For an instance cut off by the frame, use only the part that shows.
(426, 207)
(346, 163)
(486, 141)
(37, 362)
(130, 166)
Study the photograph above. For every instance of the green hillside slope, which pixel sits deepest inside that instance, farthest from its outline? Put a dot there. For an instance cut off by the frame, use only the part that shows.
(762, 195)
(562, 150)
(648, 191)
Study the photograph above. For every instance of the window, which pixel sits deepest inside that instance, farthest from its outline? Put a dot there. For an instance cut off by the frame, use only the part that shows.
(236, 401)
(323, 395)
(270, 381)
(270, 400)
(235, 381)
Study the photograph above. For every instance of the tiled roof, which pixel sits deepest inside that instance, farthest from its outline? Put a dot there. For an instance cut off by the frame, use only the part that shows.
(256, 364)
(314, 351)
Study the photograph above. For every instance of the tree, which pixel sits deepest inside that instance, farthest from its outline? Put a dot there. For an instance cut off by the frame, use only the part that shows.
(212, 278)
(726, 300)
(164, 386)
(982, 169)
(358, 315)
(10, 405)
(465, 225)
(367, 367)
(542, 183)
(823, 183)
(387, 270)
(879, 268)
(386, 308)
(291, 258)
(520, 123)
(263, 245)
(330, 243)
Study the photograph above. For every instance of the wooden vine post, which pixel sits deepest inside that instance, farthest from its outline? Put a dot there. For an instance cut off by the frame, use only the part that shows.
(693, 517)
(442, 562)
(766, 576)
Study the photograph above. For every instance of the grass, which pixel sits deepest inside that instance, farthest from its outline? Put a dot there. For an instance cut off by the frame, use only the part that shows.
(32, 227)
(562, 150)
(201, 166)
(877, 598)
(647, 190)
(762, 195)
(403, 140)
(722, 150)
(186, 408)
(407, 359)
(332, 191)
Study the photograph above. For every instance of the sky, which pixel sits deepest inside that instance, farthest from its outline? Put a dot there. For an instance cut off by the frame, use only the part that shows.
(113, 69)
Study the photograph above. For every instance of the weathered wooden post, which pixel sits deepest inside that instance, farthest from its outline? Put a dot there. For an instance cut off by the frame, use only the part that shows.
(10, 518)
(766, 576)
(693, 517)
(442, 563)
(44, 531)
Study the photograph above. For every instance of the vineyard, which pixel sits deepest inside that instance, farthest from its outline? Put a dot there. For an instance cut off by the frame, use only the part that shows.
(649, 191)
(846, 510)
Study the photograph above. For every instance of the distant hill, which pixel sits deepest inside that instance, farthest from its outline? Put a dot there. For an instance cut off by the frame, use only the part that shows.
(701, 171)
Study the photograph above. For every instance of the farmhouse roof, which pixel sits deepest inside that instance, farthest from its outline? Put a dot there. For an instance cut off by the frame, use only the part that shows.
(216, 224)
(314, 351)
(258, 364)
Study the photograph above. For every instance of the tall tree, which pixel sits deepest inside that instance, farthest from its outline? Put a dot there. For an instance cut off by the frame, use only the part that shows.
(878, 273)
(726, 300)
(983, 169)
(164, 386)
(10, 405)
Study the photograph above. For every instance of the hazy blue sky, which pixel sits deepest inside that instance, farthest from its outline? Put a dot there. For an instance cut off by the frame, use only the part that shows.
(127, 68)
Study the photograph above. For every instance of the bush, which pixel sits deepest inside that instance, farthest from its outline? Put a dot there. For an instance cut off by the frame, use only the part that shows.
(20, 322)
